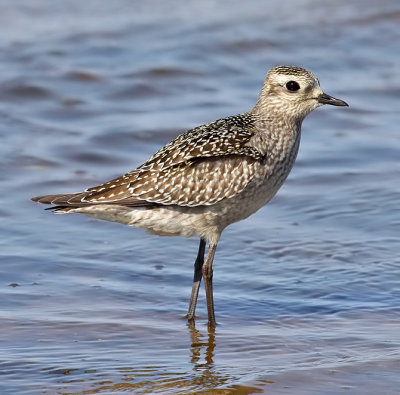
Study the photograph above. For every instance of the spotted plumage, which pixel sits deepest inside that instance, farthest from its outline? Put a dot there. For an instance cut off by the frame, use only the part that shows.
(185, 172)
(212, 175)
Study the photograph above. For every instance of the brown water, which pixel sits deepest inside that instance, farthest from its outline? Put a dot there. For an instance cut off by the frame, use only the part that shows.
(307, 290)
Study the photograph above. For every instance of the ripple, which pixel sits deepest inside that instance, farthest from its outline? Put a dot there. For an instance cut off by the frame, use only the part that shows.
(306, 290)
(82, 76)
(164, 72)
(24, 91)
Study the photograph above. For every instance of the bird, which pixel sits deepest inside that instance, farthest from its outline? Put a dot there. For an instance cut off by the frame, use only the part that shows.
(211, 176)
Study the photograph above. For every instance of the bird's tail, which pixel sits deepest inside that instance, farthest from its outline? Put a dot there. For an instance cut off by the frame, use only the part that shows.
(64, 199)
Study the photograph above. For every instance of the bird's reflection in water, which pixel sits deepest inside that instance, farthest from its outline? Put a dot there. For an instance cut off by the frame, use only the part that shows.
(199, 342)
(207, 378)
(202, 374)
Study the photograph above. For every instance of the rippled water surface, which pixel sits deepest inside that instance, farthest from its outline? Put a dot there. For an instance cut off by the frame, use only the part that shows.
(307, 290)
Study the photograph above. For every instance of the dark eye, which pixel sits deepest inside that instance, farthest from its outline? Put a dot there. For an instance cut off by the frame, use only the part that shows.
(292, 86)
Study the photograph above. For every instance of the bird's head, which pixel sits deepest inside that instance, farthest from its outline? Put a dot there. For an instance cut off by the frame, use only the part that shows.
(293, 92)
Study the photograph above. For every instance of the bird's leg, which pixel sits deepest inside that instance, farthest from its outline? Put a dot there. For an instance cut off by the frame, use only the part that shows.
(208, 274)
(196, 280)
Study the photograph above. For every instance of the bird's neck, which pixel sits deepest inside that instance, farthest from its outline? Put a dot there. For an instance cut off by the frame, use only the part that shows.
(272, 121)
(275, 110)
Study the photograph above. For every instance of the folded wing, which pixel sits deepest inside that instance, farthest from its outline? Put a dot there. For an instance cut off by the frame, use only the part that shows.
(200, 167)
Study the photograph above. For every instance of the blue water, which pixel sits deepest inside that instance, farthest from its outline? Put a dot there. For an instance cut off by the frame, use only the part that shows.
(307, 290)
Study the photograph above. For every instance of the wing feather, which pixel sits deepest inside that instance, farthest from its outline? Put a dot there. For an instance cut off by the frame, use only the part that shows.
(200, 167)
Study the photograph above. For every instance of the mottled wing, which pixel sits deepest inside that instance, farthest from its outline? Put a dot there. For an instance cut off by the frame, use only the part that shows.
(227, 136)
(200, 167)
(200, 182)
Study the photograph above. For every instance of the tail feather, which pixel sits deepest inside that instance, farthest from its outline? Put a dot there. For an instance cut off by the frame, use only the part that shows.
(74, 200)
(59, 199)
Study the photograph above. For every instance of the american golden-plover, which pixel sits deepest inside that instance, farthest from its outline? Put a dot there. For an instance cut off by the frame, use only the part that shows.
(211, 176)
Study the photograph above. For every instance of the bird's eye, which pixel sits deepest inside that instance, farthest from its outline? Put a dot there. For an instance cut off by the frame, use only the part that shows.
(292, 86)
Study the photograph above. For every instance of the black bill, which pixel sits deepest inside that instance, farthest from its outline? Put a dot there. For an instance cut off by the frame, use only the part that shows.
(326, 99)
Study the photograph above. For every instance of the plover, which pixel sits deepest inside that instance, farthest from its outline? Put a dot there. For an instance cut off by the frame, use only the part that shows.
(211, 176)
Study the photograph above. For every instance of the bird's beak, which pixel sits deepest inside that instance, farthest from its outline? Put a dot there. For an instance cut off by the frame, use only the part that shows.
(323, 98)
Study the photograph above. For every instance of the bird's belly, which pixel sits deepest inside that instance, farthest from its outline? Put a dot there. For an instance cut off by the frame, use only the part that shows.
(205, 221)
(162, 220)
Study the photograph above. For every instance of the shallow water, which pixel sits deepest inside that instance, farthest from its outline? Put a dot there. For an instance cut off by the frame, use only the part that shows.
(306, 290)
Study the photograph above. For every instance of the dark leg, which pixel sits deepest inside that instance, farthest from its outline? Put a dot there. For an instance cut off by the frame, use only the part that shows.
(208, 274)
(196, 280)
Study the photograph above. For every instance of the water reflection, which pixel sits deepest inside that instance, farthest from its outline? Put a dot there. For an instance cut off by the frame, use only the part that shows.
(205, 377)
(199, 344)
(202, 351)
